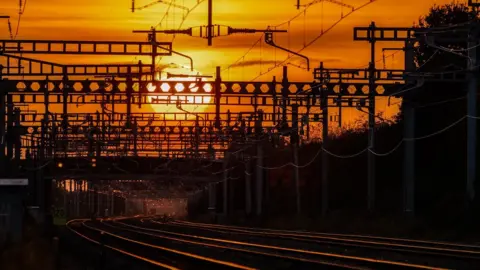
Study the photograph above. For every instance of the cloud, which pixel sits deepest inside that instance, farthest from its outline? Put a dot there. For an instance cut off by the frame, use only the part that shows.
(300, 62)
(254, 62)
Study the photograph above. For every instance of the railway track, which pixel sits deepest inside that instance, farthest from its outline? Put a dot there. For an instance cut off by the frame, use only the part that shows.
(154, 255)
(474, 249)
(460, 251)
(260, 255)
(433, 254)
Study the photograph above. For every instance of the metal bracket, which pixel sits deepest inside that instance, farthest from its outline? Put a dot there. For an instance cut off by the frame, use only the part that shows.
(269, 41)
(178, 53)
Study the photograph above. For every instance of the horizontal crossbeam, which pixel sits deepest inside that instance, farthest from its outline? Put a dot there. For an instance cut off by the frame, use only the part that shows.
(84, 47)
(27, 67)
(373, 34)
(184, 89)
(386, 75)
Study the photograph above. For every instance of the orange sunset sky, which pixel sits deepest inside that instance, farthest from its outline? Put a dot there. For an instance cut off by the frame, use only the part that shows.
(113, 20)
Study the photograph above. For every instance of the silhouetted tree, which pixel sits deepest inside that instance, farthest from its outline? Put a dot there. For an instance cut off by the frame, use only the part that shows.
(444, 19)
(441, 159)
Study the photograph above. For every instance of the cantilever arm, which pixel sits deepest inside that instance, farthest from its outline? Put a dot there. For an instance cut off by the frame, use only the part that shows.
(269, 41)
(181, 54)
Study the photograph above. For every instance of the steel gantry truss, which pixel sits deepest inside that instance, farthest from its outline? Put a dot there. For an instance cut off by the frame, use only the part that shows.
(241, 112)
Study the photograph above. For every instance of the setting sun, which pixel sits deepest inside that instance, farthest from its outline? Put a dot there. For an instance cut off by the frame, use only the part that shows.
(178, 102)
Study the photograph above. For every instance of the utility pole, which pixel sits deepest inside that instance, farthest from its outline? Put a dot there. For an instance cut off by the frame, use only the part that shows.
(371, 125)
(472, 112)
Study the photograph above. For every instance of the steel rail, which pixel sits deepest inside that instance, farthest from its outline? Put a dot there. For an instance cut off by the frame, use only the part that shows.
(396, 244)
(121, 251)
(363, 261)
(173, 251)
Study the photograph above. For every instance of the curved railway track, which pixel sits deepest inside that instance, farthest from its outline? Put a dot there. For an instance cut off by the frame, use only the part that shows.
(187, 245)
(351, 236)
(444, 249)
(418, 252)
(297, 258)
(154, 255)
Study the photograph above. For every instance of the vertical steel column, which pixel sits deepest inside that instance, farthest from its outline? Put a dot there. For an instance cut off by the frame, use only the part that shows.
(16, 112)
(113, 203)
(129, 90)
(248, 186)
(71, 203)
(273, 87)
(153, 39)
(65, 198)
(371, 123)
(3, 93)
(89, 200)
(42, 139)
(212, 198)
(210, 22)
(65, 92)
(99, 202)
(90, 136)
(259, 170)
(197, 137)
(259, 180)
(77, 195)
(10, 129)
(218, 96)
(409, 132)
(46, 101)
(472, 114)
(225, 183)
(325, 140)
(294, 143)
(135, 137)
(285, 93)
